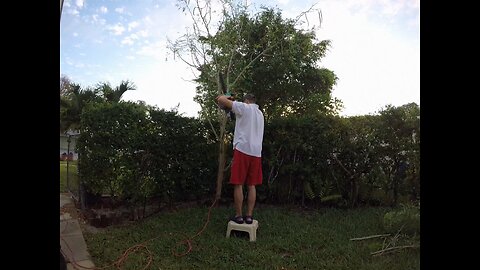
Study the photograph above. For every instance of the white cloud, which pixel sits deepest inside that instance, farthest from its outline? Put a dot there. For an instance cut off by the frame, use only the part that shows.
(97, 20)
(162, 23)
(130, 39)
(103, 9)
(74, 12)
(142, 33)
(157, 51)
(75, 34)
(133, 25)
(116, 29)
(68, 61)
(120, 10)
(283, 2)
(79, 3)
(147, 20)
(74, 63)
(127, 41)
(385, 9)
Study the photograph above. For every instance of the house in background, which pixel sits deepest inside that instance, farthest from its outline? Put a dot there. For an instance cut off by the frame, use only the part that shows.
(67, 150)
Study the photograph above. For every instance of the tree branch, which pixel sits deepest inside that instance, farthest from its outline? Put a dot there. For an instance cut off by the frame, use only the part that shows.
(185, 61)
(270, 178)
(304, 13)
(233, 53)
(253, 60)
(369, 237)
(343, 167)
(211, 125)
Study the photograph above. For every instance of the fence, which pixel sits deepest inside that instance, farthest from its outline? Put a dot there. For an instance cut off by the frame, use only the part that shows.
(69, 179)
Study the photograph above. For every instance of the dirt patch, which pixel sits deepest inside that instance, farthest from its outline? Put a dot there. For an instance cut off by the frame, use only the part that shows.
(76, 213)
(106, 212)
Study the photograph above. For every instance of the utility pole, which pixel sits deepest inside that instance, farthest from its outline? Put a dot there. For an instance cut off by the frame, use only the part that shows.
(68, 157)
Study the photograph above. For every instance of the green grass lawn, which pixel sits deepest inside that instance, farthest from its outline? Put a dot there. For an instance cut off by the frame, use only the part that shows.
(73, 175)
(287, 238)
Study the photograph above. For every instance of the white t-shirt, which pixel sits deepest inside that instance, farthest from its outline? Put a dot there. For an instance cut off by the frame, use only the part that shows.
(249, 124)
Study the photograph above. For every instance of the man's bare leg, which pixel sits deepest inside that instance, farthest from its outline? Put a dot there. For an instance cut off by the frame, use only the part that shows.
(238, 199)
(251, 197)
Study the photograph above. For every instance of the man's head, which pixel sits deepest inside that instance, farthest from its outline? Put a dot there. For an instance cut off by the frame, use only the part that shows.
(249, 98)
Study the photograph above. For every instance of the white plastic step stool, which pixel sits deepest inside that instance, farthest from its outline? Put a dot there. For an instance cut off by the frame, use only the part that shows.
(250, 228)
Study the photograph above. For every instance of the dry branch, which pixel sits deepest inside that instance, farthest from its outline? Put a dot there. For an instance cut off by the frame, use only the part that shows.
(369, 237)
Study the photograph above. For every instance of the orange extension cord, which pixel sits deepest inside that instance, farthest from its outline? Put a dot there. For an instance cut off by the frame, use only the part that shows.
(143, 248)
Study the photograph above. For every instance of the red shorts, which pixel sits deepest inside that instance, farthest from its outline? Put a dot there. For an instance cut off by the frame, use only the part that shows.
(245, 169)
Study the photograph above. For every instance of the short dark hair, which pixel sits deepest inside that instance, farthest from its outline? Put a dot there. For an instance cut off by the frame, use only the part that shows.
(250, 97)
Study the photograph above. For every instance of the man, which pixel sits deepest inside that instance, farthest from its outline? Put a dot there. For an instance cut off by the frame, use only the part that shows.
(247, 152)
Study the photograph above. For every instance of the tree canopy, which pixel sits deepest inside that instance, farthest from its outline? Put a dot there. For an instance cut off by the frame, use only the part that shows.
(268, 56)
(73, 99)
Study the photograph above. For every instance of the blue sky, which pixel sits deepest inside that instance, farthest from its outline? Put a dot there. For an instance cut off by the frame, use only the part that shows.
(375, 49)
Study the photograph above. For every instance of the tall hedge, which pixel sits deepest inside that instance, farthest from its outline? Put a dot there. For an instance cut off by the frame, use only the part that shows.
(135, 152)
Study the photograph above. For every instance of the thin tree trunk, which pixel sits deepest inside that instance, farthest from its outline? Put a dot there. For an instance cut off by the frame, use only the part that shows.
(221, 158)
(222, 146)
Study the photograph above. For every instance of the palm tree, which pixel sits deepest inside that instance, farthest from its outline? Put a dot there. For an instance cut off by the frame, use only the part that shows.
(71, 106)
(73, 101)
(115, 95)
